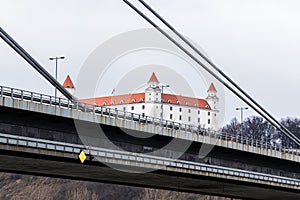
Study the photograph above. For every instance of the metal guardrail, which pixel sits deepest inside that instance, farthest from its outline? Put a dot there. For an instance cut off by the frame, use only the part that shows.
(111, 112)
(141, 158)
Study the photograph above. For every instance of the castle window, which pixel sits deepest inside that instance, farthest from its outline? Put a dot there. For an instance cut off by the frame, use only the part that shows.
(180, 109)
(198, 112)
(208, 121)
(171, 108)
(143, 114)
(208, 113)
(180, 117)
(124, 108)
(132, 107)
(171, 116)
(143, 106)
(198, 120)
(189, 119)
(189, 110)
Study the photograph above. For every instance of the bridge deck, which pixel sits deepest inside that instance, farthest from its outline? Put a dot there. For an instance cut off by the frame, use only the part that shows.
(39, 103)
(42, 157)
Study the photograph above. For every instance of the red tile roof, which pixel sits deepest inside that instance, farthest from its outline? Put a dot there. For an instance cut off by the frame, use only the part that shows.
(185, 101)
(211, 88)
(140, 98)
(68, 83)
(153, 78)
(116, 100)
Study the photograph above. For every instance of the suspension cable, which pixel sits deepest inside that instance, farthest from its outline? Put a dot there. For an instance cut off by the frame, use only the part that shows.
(262, 111)
(14, 45)
(214, 66)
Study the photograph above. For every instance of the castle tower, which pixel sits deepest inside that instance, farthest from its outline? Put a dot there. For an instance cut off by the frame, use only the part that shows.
(212, 98)
(213, 101)
(153, 97)
(153, 92)
(68, 84)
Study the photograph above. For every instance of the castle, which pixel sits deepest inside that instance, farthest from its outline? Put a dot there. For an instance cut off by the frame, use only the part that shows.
(155, 103)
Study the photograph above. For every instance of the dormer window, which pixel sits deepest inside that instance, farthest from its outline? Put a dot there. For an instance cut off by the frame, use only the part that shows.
(112, 102)
(122, 102)
(133, 101)
(186, 103)
(104, 103)
(169, 101)
(141, 99)
(178, 102)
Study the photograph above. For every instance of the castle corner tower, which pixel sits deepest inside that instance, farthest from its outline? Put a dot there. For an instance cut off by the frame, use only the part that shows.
(213, 101)
(69, 85)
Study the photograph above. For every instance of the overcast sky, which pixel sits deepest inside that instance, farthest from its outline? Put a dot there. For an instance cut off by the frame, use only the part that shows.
(255, 42)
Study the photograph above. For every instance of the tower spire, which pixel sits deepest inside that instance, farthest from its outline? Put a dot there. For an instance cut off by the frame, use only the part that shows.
(153, 79)
(212, 88)
(68, 83)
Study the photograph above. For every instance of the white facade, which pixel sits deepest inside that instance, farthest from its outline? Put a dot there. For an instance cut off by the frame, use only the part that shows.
(180, 109)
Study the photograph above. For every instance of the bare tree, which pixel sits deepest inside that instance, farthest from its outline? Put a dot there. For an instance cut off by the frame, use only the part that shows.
(293, 124)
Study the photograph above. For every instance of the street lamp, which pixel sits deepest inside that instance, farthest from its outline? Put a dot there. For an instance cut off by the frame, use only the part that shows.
(162, 100)
(56, 58)
(242, 110)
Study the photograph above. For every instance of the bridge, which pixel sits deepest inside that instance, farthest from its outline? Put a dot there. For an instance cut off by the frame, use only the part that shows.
(38, 135)
(43, 135)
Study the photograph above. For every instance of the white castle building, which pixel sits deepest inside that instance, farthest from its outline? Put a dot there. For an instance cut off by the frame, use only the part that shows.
(155, 103)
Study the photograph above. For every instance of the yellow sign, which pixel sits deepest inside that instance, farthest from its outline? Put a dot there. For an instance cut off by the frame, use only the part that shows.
(82, 156)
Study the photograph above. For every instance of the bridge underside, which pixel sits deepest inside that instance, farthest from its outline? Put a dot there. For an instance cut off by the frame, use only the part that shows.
(37, 164)
(50, 127)
(38, 125)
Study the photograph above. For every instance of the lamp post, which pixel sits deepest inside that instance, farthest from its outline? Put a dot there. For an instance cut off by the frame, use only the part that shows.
(162, 100)
(56, 59)
(242, 110)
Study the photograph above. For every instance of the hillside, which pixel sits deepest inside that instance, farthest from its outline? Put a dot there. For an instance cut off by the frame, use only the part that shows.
(17, 187)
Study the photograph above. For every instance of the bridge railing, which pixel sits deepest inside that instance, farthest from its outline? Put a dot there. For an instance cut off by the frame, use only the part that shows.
(113, 112)
(159, 162)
